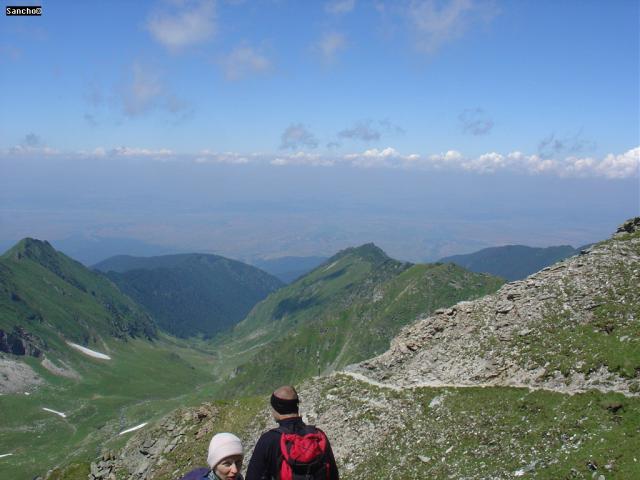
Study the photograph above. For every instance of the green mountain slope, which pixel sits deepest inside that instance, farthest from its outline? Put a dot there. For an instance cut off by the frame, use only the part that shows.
(55, 298)
(191, 294)
(344, 311)
(47, 300)
(512, 262)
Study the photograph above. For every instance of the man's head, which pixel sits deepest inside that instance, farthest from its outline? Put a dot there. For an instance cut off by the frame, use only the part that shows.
(284, 403)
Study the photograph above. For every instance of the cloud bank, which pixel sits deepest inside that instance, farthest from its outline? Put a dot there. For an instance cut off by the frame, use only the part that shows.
(296, 137)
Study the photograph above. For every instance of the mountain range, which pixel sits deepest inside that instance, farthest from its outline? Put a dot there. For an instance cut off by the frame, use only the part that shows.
(190, 294)
(512, 262)
(344, 311)
(449, 372)
(537, 380)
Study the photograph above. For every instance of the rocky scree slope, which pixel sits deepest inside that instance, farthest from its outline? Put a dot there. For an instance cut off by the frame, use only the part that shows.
(571, 327)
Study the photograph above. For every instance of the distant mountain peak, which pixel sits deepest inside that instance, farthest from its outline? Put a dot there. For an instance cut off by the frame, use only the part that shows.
(369, 252)
(39, 251)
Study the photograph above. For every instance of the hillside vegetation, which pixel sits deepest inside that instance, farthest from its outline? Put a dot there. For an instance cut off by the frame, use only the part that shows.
(344, 311)
(191, 294)
(48, 300)
(55, 298)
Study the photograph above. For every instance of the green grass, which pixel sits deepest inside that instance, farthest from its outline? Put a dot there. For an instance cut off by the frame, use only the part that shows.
(143, 382)
(343, 312)
(607, 336)
(479, 433)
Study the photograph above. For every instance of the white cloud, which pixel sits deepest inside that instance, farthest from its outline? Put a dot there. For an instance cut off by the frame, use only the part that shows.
(620, 166)
(232, 158)
(27, 150)
(297, 136)
(486, 163)
(387, 157)
(138, 152)
(330, 44)
(338, 7)
(611, 166)
(303, 158)
(32, 144)
(242, 61)
(144, 91)
(189, 23)
(437, 23)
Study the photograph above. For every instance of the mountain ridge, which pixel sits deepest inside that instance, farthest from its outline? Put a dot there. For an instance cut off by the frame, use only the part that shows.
(191, 294)
(512, 262)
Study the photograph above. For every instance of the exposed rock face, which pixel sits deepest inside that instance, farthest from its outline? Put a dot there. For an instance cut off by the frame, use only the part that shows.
(630, 226)
(20, 342)
(170, 448)
(143, 452)
(542, 332)
(16, 376)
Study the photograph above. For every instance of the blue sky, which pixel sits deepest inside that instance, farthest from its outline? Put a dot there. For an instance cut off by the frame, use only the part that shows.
(534, 90)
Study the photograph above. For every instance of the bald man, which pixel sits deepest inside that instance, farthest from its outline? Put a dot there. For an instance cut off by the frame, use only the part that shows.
(269, 462)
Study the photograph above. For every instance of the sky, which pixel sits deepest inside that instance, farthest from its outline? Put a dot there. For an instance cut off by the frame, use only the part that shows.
(275, 127)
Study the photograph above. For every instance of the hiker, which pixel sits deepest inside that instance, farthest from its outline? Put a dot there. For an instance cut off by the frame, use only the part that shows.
(224, 459)
(294, 450)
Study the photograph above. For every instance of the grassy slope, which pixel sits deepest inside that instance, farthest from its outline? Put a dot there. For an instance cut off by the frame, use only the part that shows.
(53, 296)
(609, 337)
(58, 299)
(343, 312)
(142, 382)
(479, 433)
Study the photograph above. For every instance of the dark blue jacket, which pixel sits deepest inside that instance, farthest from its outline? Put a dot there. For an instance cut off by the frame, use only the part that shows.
(201, 474)
(197, 474)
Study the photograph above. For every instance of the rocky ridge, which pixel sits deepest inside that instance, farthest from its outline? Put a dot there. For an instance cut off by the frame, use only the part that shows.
(553, 330)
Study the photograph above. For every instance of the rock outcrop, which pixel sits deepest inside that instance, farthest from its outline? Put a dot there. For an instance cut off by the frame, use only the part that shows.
(557, 329)
(20, 342)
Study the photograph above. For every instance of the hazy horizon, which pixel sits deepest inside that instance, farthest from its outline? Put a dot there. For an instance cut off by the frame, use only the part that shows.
(265, 129)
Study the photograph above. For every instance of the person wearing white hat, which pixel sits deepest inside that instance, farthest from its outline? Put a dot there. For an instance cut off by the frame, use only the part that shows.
(224, 458)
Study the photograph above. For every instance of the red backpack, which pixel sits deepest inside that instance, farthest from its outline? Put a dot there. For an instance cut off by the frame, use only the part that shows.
(303, 454)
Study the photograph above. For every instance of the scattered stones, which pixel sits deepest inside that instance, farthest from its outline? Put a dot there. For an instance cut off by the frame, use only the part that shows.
(485, 341)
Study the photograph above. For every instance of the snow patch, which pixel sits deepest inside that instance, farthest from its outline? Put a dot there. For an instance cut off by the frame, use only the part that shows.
(132, 429)
(55, 411)
(88, 351)
(327, 268)
(6, 455)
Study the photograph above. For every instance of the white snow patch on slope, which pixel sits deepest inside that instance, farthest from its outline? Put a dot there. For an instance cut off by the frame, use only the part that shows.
(6, 455)
(88, 351)
(327, 268)
(55, 411)
(132, 429)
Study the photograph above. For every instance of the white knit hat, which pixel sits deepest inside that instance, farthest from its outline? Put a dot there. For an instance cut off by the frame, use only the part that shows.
(223, 445)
